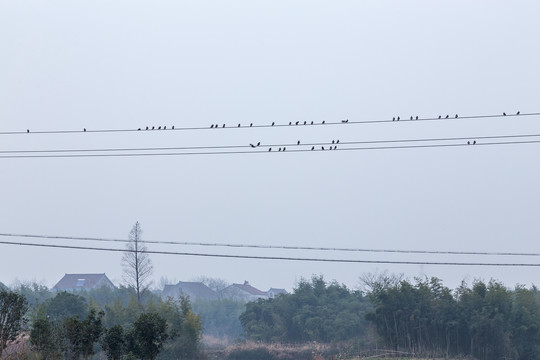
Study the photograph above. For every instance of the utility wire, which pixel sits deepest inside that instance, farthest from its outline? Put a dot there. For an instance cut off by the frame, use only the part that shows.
(284, 247)
(266, 125)
(290, 145)
(267, 149)
(278, 257)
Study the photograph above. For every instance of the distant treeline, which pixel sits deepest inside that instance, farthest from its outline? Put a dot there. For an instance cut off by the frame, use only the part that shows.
(423, 317)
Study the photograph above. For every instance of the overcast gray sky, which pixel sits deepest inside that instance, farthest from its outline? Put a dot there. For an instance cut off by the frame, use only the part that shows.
(69, 65)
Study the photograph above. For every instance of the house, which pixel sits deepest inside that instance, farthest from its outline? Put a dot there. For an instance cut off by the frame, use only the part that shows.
(193, 290)
(76, 282)
(275, 292)
(244, 292)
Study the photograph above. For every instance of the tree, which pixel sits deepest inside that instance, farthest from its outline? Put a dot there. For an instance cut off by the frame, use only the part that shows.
(114, 342)
(148, 336)
(136, 262)
(13, 307)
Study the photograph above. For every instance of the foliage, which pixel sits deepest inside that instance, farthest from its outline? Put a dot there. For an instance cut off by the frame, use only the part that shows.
(13, 307)
(315, 311)
(113, 342)
(148, 336)
(485, 321)
(65, 305)
(136, 262)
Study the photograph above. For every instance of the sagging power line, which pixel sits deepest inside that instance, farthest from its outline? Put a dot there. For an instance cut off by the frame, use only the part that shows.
(280, 247)
(284, 258)
(214, 126)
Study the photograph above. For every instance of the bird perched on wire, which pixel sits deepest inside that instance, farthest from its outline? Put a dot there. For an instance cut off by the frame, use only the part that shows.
(250, 125)
(468, 143)
(311, 122)
(313, 148)
(259, 143)
(223, 125)
(159, 128)
(253, 146)
(456, 116)
(474, 142)
(517, 113)
(211, 126)
(398, 118)
(394, 118)
(27, 130)
(153, 127)
(447, 116)
(297, 122)
(417, 118)
(238, 125)
(273, 123)
(173, 127)
(298, 142)
(139, 129)
(323, 122)
(147, 128)
(411, 117)
(84, 129)
(504, 113)
(440, 116)
(345, 121)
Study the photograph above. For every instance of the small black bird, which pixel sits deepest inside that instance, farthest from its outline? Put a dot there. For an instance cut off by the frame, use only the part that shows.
(279, 149)
(250, 125)
(337, 142)
(152, 127)
(322, 147)
(439, 116)
(335, 147)
(417, 118)
(272, 123)
(517, 113)
(290, 123)
(211, 126)
(238, 125)
(333, 141)
(323, 121)
(305, 122)
(269, 149)
(173, 127)
(84, 129)
(411, 117)
(27, 130)
(297, 122)
(474, 142)
(259, 143)
(284, 148)
(456, 116)
(139, 129)
(345, 121)
(223, 125)
(468, 143)
(164, 128)
(398, 118)
(447, 116)
(312, 123)
(298, 142)
(159, 128)
(253, 146)
(313, 148)
(504, 113)
(394, 118)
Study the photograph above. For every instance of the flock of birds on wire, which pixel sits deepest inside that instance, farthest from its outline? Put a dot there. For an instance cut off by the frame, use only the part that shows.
(334, 142)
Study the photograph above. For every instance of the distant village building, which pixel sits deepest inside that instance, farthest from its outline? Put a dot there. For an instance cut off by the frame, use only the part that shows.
(244, 292)
(193, 290)
(77, 282)
(272, 293)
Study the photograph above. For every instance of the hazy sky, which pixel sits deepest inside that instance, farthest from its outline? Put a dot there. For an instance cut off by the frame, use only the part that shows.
(69, 65)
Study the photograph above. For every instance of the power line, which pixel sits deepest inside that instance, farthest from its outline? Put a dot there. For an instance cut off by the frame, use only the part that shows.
(254, 257)
(266, 150)
(266, 125)
(391, 141)
(282, 247)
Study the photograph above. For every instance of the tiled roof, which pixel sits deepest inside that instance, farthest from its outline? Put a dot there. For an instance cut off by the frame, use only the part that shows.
(198, 289)
(80, 281)
(249, 289)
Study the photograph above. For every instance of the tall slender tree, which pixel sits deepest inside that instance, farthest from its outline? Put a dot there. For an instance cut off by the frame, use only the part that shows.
(136, 262)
